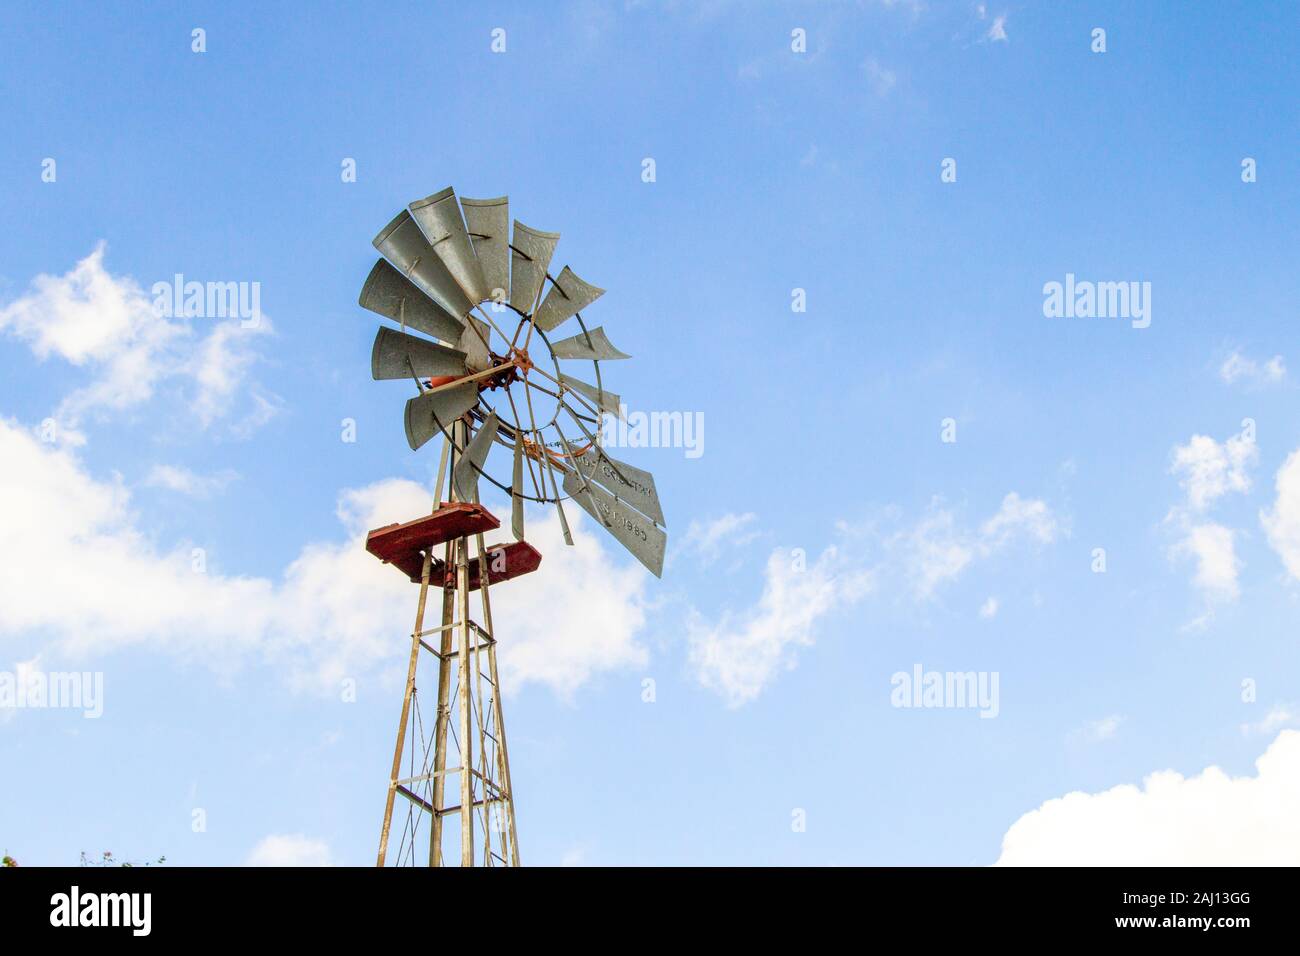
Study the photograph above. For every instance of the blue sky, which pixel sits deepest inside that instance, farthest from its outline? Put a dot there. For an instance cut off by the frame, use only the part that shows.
(775, 171)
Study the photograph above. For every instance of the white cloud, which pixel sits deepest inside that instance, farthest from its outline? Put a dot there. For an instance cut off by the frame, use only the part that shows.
(1208, 820)
(998, 29)
(1208, 469)
(1019, 516)
(219, 367)
(880, 78)
(741, 654)
(989, 608)
(937, 550)
(107, 326)
(335, 612)
(1103, 729)
(1281, 715)
(707, 538)
(1216, 560)
(1282, 523)
(186, 482)
(290, 850)
(1239, 368)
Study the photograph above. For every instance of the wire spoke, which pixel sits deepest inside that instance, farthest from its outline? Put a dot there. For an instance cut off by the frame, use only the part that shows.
(519, 436)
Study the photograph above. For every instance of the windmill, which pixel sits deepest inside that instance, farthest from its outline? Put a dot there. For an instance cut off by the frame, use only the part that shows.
(486, 378)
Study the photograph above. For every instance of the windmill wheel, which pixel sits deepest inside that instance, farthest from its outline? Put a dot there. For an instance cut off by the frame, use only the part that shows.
(497, 370)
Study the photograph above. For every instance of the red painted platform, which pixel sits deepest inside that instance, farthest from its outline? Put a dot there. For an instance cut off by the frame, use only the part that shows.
(504, 562)
(403, 546)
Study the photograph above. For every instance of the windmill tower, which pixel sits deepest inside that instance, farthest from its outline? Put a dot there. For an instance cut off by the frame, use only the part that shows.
(478, 387)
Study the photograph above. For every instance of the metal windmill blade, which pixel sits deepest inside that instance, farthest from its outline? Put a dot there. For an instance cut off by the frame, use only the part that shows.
(438, 217)
(465, 474)
(632, 529)
(488, 224)
(397, 355)
(431, 412)
(607, 402)
(592, 344)
(403, 244)
(530, 256)
(568, 296)
(632, 485)
(392, 295)
(473, 342)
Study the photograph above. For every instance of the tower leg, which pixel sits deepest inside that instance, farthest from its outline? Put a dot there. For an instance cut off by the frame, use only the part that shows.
(502, 752)
(406, 712)
(463, 708)
(442, 721)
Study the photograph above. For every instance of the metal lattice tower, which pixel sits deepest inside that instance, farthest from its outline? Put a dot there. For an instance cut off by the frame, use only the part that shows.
(442, 258)
(467, 729)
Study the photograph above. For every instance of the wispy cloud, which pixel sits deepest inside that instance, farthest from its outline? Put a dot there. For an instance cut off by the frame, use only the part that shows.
(107, 326)
(1279, 716)
(1238, 368)
(938, 549)
(880, 78)
(1095, 731)
(186, 482)
(293, 849)
(708, 538)
(741, 653)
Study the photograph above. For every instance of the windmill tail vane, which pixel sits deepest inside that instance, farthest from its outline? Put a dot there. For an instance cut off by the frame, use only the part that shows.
(484, 378)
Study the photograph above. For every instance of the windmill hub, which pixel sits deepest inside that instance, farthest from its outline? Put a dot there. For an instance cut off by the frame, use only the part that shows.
(520, 357)
(501, 379)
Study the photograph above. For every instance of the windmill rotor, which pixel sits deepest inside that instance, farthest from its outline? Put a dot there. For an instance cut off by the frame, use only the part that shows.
(504, 377)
